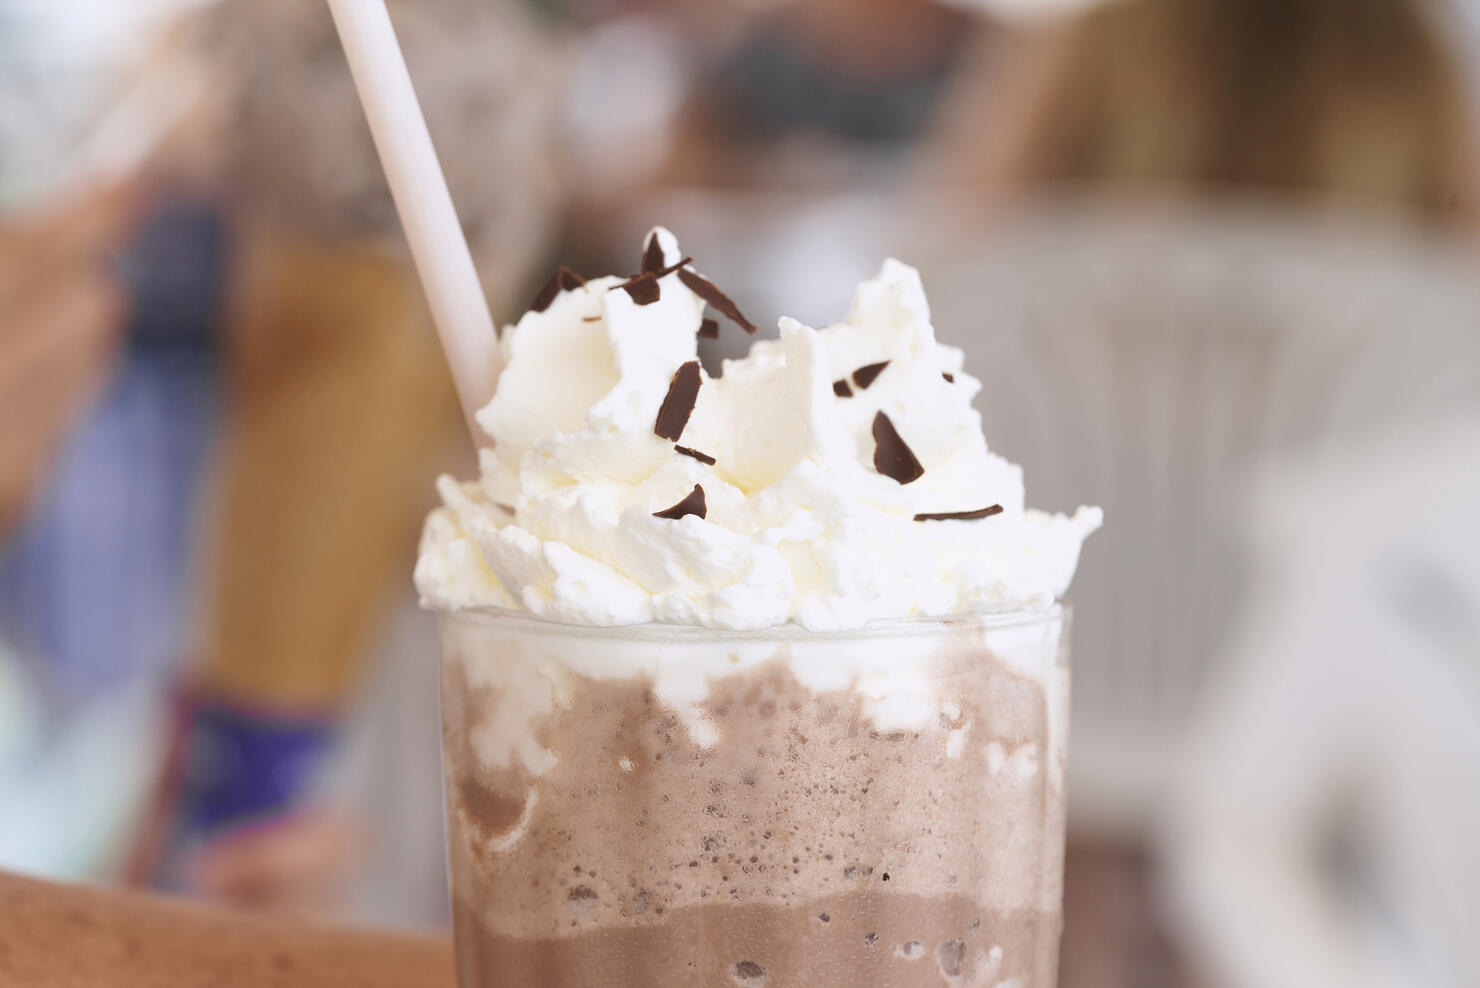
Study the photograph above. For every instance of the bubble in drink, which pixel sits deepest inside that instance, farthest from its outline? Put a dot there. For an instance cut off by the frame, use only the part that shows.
(950, 956)
(750, 974)
(581, 899)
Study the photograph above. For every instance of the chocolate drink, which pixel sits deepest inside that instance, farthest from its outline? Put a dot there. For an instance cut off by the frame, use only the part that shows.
(750, 677)
(674, 807)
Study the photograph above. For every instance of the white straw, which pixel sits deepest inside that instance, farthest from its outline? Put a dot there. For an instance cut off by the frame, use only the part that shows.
(437, 243)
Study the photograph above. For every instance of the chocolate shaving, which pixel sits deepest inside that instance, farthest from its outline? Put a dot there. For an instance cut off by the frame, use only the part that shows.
(546, 294)
(866, 374)
(950, 378)
(892, 457)
(563, 280)
(506, 507)
(658, 272)
(709, 292)
(643, 289)
(987, 512)
(693, 504)
(679, 402)
(652, 257)
(701, 457)
(841, 389)
(709, 329)
(590, 319)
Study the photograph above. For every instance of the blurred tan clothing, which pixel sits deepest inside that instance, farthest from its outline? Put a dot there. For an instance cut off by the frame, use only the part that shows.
(340, 405)
(340, 409)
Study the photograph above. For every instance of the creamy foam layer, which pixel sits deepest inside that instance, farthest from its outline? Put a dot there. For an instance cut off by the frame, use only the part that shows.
(530, 671)
(810, 505)
(630, 797)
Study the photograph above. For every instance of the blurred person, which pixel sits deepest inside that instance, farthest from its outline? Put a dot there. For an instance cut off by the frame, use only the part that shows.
(63, 325)
(338, 409)
(269, 274)
(1323, 832)
(106, 402)
(70, 200)
(93, 584)
(64, 314)
(1332, 102)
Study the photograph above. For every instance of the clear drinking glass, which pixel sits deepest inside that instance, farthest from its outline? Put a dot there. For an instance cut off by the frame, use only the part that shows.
(664, 806)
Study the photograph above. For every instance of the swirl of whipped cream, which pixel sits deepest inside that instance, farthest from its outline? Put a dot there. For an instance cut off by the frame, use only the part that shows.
(810, 515)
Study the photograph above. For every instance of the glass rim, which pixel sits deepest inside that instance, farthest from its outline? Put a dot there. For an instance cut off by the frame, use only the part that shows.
(523, 622)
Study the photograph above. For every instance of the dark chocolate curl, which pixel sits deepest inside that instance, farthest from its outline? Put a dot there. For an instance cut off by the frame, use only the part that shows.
(987, 512)
(678, 404)
(722, 303)
(693, 504)
(563, 280)
(865, 375)
(892, 457)
(652, 257)
(644, 289)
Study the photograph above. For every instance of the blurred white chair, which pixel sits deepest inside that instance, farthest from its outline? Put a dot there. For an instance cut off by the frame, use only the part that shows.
(1151, 363)
(1324, 832)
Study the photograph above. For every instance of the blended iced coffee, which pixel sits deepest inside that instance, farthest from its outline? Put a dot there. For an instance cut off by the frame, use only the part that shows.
(755, 679)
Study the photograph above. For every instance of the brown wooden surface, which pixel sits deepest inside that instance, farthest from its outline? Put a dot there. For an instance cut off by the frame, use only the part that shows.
(54, 936)
(59, 936)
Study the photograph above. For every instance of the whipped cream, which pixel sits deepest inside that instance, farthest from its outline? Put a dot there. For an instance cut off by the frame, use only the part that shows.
(809, 506)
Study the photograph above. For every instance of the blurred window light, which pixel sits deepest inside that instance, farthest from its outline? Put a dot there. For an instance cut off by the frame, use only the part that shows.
(73, 99)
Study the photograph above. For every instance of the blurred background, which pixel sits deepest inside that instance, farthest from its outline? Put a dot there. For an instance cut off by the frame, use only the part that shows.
(1212, 259)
